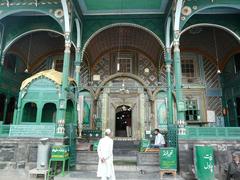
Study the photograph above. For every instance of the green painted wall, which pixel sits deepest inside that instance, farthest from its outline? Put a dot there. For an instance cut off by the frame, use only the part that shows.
(229, 21)
(10, 82)
(155, 23)
(122, 4)
(49, 8)
(200, 5)
(17, 25)
(231, 91)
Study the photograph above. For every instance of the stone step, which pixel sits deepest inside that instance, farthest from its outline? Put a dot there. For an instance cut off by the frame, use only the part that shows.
(92, 158)
(125, 158)
(120, 175)
(125, 152)
(121, 144)
(86, 175)
(93, 167)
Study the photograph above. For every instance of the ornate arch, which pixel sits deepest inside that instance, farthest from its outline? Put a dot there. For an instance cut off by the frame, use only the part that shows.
(186, 18)
(225, 29)
(211, 25)
(128, 75)
(29, 32)
(87, 89)
(122, 24)
(20, 10)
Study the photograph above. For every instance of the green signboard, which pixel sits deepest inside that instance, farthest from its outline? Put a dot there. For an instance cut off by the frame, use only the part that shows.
(168, 158)
(95, 145)
(203, 161)
(40, 131)
(61, 151)
(144, 144)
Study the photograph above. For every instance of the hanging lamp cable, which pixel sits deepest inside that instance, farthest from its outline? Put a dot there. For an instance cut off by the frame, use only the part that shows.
(29, 49)
(216, 51)
(119, 42)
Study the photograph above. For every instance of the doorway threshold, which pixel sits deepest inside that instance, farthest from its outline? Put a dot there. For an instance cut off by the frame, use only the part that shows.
(124, 139)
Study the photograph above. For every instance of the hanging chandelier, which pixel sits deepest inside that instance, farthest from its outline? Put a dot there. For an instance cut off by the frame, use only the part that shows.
(123, 90)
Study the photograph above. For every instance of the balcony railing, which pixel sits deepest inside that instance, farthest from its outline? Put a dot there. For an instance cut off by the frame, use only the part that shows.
(211, 133)
(4, 130)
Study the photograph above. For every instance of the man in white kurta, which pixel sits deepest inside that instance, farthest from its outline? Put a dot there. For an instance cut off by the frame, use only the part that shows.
(159, 139)
(105, 154)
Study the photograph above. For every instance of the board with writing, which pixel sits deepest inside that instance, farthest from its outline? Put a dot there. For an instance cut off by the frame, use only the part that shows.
(32, 130)
(168, 158)
(204, 162)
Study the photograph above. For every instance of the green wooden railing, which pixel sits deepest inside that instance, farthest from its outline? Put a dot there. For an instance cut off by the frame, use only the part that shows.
(211, 133)
(4, 130)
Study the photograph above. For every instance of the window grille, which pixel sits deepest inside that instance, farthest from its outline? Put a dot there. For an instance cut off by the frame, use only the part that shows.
(125, 65)
(192, 110)
(188, 68)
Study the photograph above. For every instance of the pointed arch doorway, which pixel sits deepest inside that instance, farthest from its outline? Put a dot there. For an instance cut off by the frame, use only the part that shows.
(124, 92)
(123, 125)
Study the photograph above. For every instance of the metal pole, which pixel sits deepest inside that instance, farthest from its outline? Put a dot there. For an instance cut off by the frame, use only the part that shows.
(78, 54)
(77, 66)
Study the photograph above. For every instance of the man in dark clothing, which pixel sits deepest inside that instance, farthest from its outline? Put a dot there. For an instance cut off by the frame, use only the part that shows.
(234, 168)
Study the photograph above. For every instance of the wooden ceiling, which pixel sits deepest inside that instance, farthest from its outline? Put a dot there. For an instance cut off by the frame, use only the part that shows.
(124, 37)
(211, 42)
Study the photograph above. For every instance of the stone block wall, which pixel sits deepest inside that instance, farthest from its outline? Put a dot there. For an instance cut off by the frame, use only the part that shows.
(223, 150)
(19, 152)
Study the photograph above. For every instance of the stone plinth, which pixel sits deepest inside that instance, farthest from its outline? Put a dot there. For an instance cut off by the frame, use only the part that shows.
(20, 152)
(223, 150)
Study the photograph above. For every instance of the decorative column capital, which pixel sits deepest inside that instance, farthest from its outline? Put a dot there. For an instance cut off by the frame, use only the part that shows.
(176, 45)
(181, 127)
(168, 58)
(176, 41)
(168, 50)
(168, 67)
(78, 69)
(67, 41)
(60, 127)
(176, 35)
(78, 50)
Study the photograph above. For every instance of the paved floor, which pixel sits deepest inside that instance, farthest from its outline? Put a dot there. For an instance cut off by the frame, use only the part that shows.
(18, 174)
(78, 175)
(119, 176)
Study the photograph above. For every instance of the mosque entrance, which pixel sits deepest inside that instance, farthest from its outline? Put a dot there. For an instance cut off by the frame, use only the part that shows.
(124, 107)
(123, 121)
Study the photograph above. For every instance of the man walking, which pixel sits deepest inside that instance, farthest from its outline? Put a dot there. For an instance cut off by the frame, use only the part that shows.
(105, 154)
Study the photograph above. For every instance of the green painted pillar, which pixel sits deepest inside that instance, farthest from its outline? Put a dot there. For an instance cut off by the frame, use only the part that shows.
(5, 108)
(178, 85)
(65, 85)
(17, 111)
(2, 56)
(172, 133)
(2, 28)
(168, 64)
(39, 113)
(77, 66)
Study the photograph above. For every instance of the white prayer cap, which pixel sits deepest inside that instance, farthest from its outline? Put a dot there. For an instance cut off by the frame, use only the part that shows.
(107, 131)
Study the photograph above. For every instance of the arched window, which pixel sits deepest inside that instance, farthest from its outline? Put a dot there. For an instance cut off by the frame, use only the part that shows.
(29, 112)
(10, 111)
(2, 103)
(49, 113)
